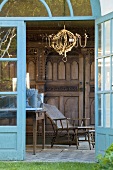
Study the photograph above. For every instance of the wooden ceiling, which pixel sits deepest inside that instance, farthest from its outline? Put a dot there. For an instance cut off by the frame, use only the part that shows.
(60, 24)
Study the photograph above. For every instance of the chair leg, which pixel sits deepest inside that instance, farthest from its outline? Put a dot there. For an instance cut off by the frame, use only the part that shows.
(77, 141)
(75, 138)
(93, 138)
(53, 141)
(54, 138)
(89, 140)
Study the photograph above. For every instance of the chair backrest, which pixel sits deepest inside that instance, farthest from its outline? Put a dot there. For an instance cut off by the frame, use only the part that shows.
(53, 113)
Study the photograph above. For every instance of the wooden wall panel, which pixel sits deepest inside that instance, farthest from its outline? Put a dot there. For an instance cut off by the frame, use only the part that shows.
(68, 71)
(92, 111)
(71, 107)
(52, 100)
(92, 71)
(74, 70)
(61, 71)
(49, 71)
(55, 72)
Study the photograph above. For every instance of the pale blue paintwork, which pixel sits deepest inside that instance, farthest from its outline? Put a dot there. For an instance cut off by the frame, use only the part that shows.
(2, 4)
(70, 8)
(12, 138)
(74, 18)
(104, 135)
(47, 8)
(96, 9)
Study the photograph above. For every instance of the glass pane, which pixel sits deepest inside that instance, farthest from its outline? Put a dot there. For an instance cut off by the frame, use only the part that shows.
(107, 110)
(29, 8)
(23, 8)
(8, 118)
(100, 74)
(112, 72)
(8, 71)
(8, 113)
(8, 101)
(107, 73)
(112, 35)
(58, 7)
(100, 110)
(81, 7)
(100, 39)
(8, 42)
(107, 37)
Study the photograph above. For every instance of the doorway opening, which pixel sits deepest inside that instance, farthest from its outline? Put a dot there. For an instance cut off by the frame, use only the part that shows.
(67, 85)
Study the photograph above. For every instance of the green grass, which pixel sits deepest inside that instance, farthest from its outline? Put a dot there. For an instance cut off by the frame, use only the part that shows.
(45, 166)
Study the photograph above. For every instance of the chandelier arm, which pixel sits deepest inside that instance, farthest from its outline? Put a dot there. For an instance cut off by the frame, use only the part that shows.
(76, 43)
(84, 42)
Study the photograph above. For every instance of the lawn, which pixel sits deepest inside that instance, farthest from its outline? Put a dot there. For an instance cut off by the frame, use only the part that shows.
(45, 166)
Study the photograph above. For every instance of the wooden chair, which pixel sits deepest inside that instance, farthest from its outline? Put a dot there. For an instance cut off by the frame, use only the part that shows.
(64, 131)
(91, 138)
(85, 133)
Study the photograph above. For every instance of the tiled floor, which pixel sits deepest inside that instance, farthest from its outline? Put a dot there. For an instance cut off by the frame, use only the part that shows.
(61, 153)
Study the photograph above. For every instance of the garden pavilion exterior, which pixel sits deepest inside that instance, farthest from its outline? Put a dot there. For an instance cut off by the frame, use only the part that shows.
(23, 26)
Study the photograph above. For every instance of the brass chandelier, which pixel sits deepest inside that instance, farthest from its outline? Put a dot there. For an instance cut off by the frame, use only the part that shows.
(64, 41)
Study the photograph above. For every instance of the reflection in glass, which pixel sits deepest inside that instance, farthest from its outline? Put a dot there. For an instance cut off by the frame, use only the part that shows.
(107, 37)
(24, 8)
(8, 42)
(81, 7)
(107, 110)
(35, 8)
(100, 39)
(58, 8)
(8, 118)
(112, 35)
(8, 71)
(112, 72)
(100, 110)
(8, 113)
(100, 73)
(107, 73)
(8, 101)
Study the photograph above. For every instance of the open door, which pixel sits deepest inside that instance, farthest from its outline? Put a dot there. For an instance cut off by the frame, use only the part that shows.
(104, 82)
(12, 90)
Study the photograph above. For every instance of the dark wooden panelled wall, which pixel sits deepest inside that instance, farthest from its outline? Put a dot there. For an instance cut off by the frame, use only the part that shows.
(70, 85)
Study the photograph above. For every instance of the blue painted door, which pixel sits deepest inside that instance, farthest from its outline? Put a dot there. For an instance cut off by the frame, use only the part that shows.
(12, 90)
(104, 82)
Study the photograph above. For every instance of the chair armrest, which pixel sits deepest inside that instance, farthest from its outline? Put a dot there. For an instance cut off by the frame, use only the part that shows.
(82, 118)
(83, 121)
(64, 124)
(60, 119)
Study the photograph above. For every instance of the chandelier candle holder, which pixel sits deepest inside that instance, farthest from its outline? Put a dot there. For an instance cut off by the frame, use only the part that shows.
(64, 41)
